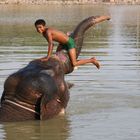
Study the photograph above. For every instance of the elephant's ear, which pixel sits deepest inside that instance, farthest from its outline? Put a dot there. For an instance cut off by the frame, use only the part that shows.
(49, 109)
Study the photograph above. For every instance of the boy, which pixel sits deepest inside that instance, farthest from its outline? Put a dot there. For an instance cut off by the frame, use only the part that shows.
(65, 42)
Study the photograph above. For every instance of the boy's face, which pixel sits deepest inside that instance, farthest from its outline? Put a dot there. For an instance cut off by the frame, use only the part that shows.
(40, 28)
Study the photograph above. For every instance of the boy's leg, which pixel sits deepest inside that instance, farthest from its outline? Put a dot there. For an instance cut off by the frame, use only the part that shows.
(72, 55)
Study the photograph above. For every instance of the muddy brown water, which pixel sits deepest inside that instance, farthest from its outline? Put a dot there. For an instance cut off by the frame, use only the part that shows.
(105, 103)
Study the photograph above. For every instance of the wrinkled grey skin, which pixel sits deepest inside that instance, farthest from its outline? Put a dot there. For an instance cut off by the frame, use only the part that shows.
(40, 86)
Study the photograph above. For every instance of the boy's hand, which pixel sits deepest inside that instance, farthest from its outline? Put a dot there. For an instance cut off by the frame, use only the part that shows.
(44, 59)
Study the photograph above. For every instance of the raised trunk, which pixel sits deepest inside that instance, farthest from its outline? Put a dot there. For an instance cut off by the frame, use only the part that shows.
(83, 26)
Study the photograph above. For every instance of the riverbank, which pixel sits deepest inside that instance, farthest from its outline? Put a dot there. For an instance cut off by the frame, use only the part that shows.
(68, 2)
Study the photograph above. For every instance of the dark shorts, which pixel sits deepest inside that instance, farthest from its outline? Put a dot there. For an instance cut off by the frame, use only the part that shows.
(69, 45)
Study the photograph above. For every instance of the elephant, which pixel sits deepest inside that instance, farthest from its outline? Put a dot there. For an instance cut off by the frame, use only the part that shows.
(38, 91)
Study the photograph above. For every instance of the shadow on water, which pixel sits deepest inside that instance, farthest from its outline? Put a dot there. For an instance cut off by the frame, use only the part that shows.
(57, 129)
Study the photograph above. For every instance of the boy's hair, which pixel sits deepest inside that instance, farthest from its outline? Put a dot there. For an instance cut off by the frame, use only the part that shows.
(40, 21)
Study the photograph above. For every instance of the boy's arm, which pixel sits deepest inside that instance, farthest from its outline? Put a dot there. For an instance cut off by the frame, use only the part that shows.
(50, 45)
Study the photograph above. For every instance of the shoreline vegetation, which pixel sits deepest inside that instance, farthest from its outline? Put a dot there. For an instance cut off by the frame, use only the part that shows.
(68, 2)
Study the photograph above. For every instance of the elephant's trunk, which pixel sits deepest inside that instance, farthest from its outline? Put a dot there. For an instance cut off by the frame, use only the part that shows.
(79, 31)
(78, 36)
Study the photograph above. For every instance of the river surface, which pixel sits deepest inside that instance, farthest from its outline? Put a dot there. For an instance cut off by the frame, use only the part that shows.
(104, 104)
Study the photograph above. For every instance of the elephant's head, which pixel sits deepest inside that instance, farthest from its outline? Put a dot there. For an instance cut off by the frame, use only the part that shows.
(39, 89)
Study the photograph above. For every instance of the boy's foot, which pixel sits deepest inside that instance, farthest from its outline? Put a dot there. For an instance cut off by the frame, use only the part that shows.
(95, 62)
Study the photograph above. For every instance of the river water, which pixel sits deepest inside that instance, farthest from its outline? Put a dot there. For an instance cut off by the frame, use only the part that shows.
(105, 103)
